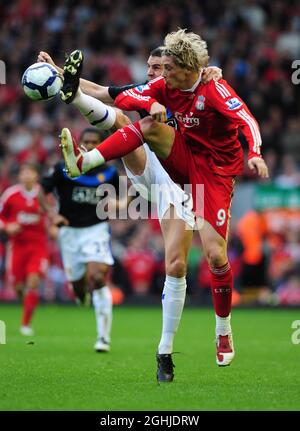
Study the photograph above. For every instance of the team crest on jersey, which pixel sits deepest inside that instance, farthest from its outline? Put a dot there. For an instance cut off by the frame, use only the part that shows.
(142, 88)
(200, 104)
(233, 103)
(101, 178)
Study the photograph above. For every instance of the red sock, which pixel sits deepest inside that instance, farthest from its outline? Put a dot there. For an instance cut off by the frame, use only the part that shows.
(221, 287)
(31, 301)
(122, 142)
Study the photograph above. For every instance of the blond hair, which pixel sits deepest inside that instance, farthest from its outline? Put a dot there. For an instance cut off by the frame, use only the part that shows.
(188, 49)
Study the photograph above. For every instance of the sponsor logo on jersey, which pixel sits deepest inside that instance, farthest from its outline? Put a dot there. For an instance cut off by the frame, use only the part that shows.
(200, 104)
(187, 120)
(142, 88)
(233, 103)
(85, 195)
(28, 218)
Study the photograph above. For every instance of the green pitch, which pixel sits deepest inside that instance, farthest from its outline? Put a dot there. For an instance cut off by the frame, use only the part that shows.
(60, 370)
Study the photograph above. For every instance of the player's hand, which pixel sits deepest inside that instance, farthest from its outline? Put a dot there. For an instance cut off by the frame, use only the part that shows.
(158, 112)
(44, 57)
(211, 72)
(12, 228)
(59, 220)
(258, 165)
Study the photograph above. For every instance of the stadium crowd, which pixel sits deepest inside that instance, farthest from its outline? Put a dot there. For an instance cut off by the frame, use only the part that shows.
(254, 42)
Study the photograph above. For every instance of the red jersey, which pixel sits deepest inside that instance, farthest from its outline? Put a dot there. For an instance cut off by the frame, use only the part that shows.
(209, 116)
(23, 207)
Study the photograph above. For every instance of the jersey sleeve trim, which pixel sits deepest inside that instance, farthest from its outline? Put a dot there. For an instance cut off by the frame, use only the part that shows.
(253, 129)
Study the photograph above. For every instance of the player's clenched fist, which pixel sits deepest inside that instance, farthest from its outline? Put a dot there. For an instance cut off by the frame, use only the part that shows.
(258, 165)
(158, 112)
(44, 57)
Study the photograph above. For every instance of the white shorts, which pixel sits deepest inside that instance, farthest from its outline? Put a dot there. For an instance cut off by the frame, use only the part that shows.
(80, 245)
(155, 185)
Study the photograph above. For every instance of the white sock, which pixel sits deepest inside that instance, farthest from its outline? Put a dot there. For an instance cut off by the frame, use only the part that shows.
(102, 302)
(223, 326)
(91, 159)
(97, 113)
(172, 306)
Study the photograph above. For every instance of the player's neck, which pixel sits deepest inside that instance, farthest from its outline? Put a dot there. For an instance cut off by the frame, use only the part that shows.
(28, 187)
(192, 81)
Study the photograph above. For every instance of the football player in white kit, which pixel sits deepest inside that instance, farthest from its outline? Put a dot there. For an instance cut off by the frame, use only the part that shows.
(174, 206)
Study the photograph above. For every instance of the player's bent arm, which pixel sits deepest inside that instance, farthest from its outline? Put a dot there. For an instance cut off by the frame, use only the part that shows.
(95, 90)
(127, 102)
(10, 228)
(225, 100)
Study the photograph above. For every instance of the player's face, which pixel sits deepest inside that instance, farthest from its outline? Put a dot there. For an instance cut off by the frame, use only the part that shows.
(28, 176)
(175, 76)
(154, 67)
(89, 141)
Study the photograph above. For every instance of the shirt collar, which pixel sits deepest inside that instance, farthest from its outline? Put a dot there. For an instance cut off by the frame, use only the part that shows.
(193, 88)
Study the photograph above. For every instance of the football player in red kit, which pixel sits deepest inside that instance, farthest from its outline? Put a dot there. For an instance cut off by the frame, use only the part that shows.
(204, 151)
(23, 220)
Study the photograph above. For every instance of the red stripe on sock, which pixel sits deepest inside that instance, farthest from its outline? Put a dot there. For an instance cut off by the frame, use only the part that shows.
(221, 287)
(122, 142)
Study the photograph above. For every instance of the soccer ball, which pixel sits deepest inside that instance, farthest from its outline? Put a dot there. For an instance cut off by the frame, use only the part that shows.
(41, 81)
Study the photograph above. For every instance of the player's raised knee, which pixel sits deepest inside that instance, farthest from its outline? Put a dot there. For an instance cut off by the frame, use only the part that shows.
(148, 126)
(121, 119)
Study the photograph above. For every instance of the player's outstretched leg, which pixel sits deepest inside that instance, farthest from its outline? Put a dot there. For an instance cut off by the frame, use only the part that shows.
(72, 72)
(97, 113)
(165, 368)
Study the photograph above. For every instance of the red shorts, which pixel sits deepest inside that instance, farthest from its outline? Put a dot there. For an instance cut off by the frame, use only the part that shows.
(25, 259)
(212, 193)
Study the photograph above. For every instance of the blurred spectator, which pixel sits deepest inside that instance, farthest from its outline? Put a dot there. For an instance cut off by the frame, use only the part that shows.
(288, 293)
(289, 175)
(139, 260)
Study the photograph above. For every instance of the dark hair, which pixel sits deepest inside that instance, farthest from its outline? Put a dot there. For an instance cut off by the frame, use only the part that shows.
(156, 52)
(101, 134)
